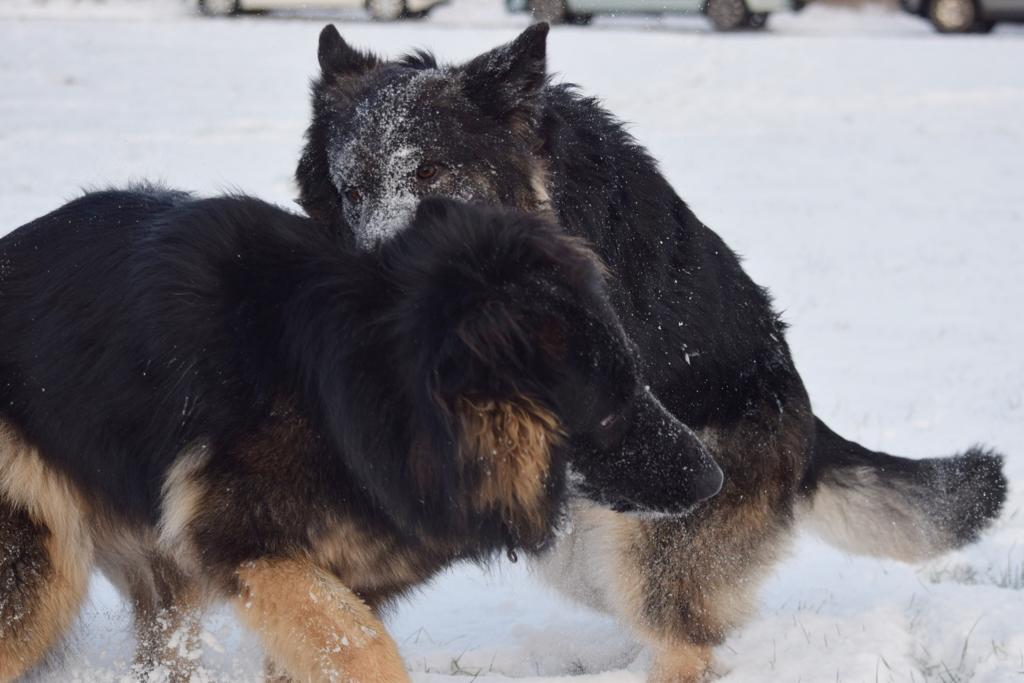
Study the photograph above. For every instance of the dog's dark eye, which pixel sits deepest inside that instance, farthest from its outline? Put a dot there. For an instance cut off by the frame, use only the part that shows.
(353, 195)
(609, 421)
(426, 171)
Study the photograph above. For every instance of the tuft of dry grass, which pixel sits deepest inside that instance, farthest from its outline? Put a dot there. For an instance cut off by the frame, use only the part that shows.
(1009, 576)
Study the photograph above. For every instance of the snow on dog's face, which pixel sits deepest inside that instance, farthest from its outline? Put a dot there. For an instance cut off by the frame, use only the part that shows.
(387, 134)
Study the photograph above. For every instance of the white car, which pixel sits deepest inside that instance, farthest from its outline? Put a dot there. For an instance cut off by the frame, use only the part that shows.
(725, 15)
(381, 10)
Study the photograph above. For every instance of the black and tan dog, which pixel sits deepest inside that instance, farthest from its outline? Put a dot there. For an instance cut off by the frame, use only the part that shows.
(211, 399)
(385, 134)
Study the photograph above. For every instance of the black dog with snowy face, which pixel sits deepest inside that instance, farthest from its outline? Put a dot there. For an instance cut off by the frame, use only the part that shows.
(209, 399)
(387, 133)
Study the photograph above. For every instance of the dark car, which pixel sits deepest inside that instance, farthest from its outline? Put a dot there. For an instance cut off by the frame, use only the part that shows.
(966, 16)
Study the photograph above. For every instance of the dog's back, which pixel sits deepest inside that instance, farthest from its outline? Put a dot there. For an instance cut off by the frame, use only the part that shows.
(51, 271)
(64, 271)
(108, 307)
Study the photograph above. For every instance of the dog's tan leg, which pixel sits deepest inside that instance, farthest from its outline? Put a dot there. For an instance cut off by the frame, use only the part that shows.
(166, 602)
(168, 641)
(45, 556)
(313, 627)
(168, 611)
(679, 662)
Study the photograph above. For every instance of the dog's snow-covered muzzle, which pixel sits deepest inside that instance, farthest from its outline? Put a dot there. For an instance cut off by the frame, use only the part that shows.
(661, 466)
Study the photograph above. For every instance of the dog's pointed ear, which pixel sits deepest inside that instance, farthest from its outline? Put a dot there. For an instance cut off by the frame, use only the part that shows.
(506, 79)
(338, 59)
(497, 349)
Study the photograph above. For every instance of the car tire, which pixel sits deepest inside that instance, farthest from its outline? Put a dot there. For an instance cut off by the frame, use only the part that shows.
(757, 20)
(578, 19)
(551, 11)
(219, 8)
(386, 10)
(953, 16)
(727, 15)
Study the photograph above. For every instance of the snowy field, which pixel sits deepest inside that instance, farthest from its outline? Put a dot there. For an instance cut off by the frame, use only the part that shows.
(871, 172)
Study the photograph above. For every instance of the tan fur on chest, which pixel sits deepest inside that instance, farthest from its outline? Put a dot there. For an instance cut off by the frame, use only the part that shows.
(510, 443)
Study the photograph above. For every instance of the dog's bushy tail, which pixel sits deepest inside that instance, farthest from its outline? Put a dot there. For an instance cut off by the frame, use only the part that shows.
(872, 503)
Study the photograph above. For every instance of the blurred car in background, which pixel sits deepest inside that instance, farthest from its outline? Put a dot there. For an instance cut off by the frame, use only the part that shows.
(381, 10)
(725, 15)
(966, 16)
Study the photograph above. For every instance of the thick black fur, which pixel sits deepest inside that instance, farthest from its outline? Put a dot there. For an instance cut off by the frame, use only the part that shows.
(710, 341)
(137, 324)
(385, 135)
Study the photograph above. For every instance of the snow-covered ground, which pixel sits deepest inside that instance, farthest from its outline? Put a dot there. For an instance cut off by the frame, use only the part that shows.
(871, 172)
